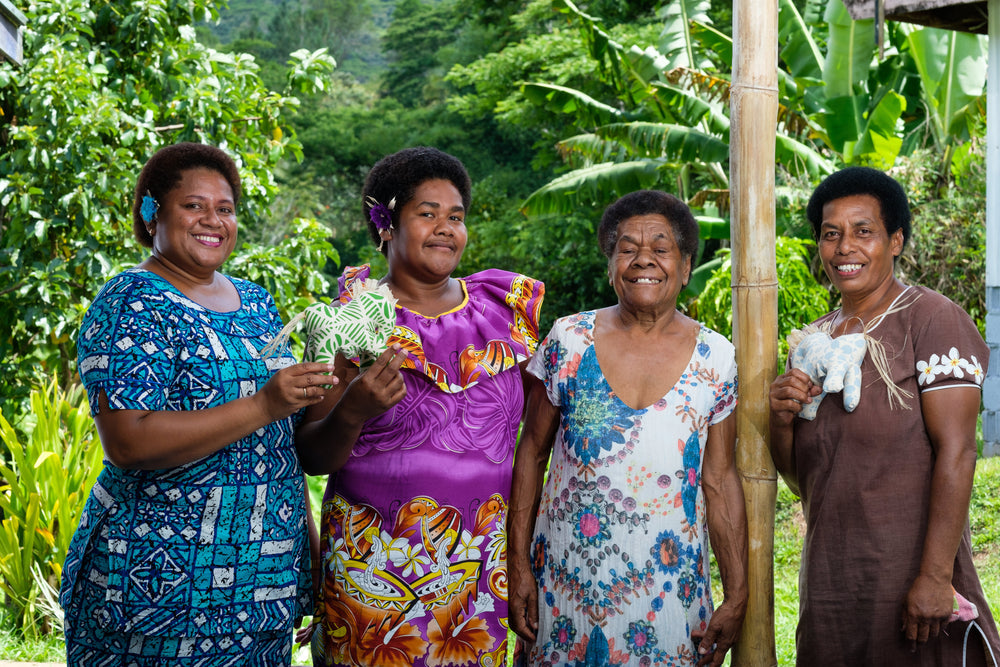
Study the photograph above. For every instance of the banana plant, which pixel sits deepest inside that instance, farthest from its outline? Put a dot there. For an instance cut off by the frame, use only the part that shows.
(670, 122)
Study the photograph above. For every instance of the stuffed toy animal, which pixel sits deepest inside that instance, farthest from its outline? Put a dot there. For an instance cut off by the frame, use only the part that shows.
(832, 363)
(358, 329)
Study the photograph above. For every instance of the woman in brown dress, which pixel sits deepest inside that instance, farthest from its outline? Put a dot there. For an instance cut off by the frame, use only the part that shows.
(885, 488)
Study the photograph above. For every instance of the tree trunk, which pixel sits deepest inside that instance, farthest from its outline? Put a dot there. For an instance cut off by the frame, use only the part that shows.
(753, 111)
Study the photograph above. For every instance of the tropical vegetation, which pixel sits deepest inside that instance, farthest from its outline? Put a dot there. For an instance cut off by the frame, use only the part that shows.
(556, 107)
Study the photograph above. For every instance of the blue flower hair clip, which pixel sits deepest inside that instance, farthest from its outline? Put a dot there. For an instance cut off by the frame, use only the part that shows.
(149, 208)
(380, 215)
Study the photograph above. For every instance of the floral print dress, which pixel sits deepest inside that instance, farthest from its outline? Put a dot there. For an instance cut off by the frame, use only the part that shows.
(414, 541)
(620, 546)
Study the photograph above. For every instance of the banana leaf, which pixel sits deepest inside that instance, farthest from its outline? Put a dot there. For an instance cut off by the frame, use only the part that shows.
(952, 67)
(675, 142)
(592, 186)
(849, 54)
(561, 99)
(676, 41)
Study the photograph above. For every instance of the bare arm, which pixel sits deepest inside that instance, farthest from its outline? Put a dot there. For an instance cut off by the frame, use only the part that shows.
(530, 461)
(950, 419)
(330, 428)
(155, 439)
(788, 393)
(727, 526)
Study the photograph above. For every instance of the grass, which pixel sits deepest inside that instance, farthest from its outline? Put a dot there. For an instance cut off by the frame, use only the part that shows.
(984, 519)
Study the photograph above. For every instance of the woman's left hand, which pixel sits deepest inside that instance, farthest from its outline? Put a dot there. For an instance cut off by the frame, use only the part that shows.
(722, 632)
(927, 609)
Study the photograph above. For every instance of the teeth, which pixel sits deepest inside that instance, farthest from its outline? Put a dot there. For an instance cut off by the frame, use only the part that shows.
(847, 268)
(645, 281)
(209, 239)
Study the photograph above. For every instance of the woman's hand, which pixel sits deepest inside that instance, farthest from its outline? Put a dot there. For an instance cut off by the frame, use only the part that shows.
(789, 392)
(294, 388)
(522, 600)
(721, 634)
(377, 388)
(927, 610)
(331, 427)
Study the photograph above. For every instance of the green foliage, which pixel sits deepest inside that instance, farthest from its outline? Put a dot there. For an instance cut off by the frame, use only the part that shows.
(801, 299)
(104, 84)
(292, 269)
(984, 508)
(14, 645)
(47, 477)
(947, 247)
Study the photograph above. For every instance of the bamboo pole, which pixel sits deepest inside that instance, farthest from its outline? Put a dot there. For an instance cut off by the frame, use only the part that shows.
(753, 112)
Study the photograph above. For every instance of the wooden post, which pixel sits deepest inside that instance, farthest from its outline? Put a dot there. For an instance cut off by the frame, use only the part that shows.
(753, 112)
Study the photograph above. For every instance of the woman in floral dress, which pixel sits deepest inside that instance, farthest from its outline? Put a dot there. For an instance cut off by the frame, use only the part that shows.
(609, 563)
(420, 445)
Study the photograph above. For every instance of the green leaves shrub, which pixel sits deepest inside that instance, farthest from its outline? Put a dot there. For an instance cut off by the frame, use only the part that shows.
(801, 299)
(47, 472)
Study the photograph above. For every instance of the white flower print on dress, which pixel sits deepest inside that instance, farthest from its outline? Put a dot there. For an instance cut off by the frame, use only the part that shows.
(954, 363)
(975, 369)
(929, 369)
(408, 556)
(468, 546)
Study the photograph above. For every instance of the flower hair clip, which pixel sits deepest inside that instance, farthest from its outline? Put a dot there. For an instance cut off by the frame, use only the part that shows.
(149, 208)
(380, 215)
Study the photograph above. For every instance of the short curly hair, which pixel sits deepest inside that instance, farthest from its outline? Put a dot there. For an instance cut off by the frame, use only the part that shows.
(398, 176)
(646, 202)
(163, 172)
(893, 204)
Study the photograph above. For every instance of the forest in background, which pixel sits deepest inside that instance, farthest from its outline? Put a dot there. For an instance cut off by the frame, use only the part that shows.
(556, 107)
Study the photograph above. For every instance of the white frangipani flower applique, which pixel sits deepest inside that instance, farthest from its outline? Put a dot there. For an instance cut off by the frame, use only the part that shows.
(975, 369)
(952, 364)
(955, 363)
(929, 369)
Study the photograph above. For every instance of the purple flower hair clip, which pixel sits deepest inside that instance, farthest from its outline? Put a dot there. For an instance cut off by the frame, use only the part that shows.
(380, 215)
(149, 208)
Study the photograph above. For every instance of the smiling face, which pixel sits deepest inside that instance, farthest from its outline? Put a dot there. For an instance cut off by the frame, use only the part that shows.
(647, 268)
(431, 236)
(195, 227)
(857, 252)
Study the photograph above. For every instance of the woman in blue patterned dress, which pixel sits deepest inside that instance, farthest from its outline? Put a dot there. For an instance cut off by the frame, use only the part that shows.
(192, 548)
(609, 564)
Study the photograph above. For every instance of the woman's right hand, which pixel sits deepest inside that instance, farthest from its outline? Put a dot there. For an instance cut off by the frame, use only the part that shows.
(789, 392)
(522, 600)
(378, 387)
(295, 387)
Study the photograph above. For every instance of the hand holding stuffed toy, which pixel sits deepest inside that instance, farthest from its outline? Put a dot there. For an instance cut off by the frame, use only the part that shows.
(833, 363)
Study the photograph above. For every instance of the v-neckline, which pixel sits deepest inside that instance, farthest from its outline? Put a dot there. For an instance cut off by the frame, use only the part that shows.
(673, 386)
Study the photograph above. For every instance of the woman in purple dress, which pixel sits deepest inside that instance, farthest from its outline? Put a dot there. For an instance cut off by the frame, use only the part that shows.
(419, 446)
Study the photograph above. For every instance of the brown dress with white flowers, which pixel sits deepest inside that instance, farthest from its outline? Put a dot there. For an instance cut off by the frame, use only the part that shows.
(865, 479)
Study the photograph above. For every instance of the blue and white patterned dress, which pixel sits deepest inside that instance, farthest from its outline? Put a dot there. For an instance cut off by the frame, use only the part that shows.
(206, 563)
(620, 545)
